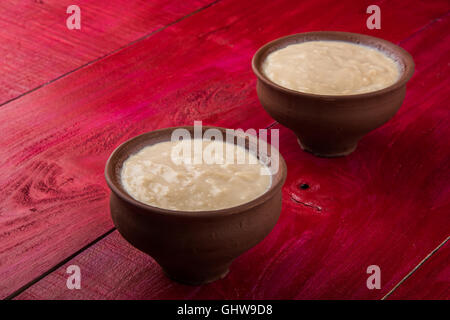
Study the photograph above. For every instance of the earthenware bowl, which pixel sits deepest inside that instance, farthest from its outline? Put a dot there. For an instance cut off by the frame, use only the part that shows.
(327, 125)
(191, 247)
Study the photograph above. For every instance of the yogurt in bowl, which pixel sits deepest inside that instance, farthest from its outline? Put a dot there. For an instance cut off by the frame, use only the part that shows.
(331, 88)
(331, 68)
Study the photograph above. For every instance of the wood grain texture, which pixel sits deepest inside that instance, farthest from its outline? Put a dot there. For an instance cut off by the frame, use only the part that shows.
(431, 281)
(386, 204)
(37, 47)
(320, 249)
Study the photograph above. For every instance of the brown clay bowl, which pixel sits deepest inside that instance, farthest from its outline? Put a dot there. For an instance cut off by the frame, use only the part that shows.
(328, 125)
(191, 247)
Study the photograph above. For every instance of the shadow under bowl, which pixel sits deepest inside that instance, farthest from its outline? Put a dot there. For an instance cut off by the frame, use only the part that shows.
(332, 125)
(192, 247)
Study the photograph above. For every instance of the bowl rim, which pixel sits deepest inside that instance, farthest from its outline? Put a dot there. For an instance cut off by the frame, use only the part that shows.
(405, 56)
(123, 195)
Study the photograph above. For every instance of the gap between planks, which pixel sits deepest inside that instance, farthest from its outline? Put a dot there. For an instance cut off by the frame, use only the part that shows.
(434, 251)
(429, 24)
(64, 261)
(112, 52)
(57, 266)
(72, 256)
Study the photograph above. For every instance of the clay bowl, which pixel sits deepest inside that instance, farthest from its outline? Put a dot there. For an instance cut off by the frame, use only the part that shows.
(328, 125)
(191, 247)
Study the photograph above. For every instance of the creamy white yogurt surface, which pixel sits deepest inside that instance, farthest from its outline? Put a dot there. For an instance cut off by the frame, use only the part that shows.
(331, 68)
(152, 177)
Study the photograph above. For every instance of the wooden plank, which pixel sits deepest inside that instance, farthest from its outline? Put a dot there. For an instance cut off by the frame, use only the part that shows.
(431, 281)
(320, 248)
(364, 209)
(37, 47)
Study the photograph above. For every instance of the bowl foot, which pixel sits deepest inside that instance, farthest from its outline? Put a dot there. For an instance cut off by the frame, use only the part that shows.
(197, 278)
(331, 154)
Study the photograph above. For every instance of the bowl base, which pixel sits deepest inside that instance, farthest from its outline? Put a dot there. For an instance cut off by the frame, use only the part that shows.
(334, 154)
(195, 282)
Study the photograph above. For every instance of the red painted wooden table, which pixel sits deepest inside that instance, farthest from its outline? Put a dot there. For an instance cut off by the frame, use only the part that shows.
(69, 97)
